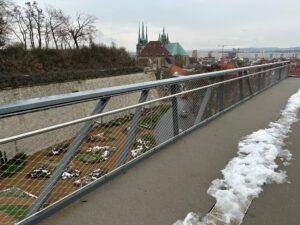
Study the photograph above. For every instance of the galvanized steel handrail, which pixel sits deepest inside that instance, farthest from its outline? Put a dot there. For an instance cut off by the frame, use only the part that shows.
(71, 98)
(263, 78)
(87, 118)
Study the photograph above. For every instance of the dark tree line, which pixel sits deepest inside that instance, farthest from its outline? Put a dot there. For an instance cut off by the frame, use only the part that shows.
(36, 27)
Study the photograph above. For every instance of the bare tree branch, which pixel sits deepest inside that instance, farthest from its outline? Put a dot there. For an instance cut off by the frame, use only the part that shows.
(82, 29)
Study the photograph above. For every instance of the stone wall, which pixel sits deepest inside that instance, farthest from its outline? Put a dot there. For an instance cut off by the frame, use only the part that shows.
(31, 121)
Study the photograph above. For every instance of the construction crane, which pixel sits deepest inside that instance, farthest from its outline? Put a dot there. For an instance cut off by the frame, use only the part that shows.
(223, 48)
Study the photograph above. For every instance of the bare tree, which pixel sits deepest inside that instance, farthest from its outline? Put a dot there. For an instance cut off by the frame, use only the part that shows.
(19, 20)
(29, 15)
(81, 29)
(53, 28)
(47, 33)
(64, 39)
(4, 23)
(57, 23)
(38, 17)
(2, 30)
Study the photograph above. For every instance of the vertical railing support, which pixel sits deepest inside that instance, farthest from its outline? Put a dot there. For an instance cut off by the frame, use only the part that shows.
(133, 128)
(66, 159)
(259, 79)
(203, 105)
(286, 70)
(248, 83)
(174, 90)
(241, 86)
(221, 95)
(280, 73)
(265, 77)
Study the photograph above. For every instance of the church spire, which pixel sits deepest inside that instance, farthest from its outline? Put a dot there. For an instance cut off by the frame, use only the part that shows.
(139, 38)
(164, 37)
(143, 33)
(146, 33)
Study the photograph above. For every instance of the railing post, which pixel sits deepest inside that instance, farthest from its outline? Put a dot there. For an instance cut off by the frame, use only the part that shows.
(280, 73)
(174, 90)
(66, 159)
(259, 80)
(221, 95)
(265, 77)
(241, 86)
(270, 76)
(286, 69)
(248, 83)
(203, 105)
(133, 129)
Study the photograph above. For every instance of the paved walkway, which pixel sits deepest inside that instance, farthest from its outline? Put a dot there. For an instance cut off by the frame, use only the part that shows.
(174, 181)
(280, 204)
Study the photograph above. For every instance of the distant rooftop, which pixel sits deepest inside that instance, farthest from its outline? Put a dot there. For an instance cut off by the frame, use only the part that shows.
(154, 49)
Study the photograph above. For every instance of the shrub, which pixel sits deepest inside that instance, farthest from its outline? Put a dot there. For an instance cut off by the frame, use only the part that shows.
(153, 116)
(43, 66)
(13, 165)
(88, 158)
(150, 138)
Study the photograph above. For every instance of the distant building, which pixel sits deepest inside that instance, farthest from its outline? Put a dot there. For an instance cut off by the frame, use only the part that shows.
(195, 54)
(154, 52)
(179, 55)
(161, 52)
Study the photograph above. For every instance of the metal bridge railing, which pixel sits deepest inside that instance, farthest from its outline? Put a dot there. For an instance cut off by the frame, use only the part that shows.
(52, 152)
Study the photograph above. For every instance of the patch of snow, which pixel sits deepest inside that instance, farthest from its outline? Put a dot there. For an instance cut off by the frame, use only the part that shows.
(255, 165)
(190, 219)
(18, 189)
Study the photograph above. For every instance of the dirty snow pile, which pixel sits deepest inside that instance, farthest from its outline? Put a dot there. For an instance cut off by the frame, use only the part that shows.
(255, 165)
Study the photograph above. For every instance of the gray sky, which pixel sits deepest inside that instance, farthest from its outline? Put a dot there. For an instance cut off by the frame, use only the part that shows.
(196, 24)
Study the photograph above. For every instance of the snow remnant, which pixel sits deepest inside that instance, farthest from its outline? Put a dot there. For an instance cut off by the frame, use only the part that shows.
(255, 165)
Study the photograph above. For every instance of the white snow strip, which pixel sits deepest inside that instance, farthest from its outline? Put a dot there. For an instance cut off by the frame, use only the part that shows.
(255, 166)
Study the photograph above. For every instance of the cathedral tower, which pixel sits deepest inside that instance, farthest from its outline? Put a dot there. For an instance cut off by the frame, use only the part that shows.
(142, 40)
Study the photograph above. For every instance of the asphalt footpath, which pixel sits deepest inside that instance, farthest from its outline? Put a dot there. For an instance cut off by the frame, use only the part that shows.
(173, 182)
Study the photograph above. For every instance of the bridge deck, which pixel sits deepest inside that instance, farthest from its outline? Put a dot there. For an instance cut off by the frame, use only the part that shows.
(173, 182)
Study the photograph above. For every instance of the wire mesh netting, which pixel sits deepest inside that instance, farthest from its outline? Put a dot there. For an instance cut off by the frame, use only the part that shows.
(114, 138)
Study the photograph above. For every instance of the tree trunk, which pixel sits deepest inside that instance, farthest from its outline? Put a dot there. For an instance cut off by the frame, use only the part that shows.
(75, 41)
(53, 36)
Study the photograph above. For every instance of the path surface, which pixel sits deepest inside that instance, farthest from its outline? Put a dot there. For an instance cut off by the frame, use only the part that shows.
(280, 204)
(173, 182)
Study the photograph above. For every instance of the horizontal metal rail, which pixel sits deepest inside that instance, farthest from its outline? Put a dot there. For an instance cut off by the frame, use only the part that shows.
(123, 138)
(84, 119)
(68, 199)
(71, 98)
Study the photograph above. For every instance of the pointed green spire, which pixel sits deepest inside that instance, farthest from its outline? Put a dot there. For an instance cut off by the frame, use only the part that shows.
(146, 33)
(163, 30)
(143, 33)
(159, 37)
(139, 38)
(168, 41)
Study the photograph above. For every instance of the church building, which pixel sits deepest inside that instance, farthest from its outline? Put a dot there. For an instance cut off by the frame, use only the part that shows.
(162, 52)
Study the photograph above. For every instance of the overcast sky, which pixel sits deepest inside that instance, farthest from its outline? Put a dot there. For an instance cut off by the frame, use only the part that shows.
(196, 24)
